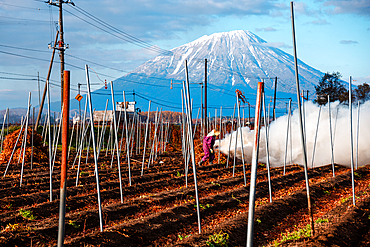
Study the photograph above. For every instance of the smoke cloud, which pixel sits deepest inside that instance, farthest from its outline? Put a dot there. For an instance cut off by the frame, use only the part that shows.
(340, 124)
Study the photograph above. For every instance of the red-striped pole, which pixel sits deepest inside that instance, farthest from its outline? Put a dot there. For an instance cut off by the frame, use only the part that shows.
(63, 172)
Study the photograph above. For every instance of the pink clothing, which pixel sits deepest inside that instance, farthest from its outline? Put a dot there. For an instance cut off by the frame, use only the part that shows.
(208, 143)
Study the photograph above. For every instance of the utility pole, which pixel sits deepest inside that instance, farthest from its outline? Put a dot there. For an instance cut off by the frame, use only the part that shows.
(46, 83)
(274, 114)
(61, 46)
(205, 96)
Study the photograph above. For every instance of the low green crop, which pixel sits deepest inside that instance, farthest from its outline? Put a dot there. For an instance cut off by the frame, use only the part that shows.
(27, 214)
(218, 239)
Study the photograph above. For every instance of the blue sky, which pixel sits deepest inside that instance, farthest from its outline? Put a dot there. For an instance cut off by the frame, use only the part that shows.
(331, 36)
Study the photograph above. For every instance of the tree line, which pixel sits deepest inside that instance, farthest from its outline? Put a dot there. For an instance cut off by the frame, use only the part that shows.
(331, 85)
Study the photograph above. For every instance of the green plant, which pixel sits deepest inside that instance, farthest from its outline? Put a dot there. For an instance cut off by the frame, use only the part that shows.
(258, 221)
(301, 233)
(178, 174)
(357, 175)
(218, 239)
(16, 228)
(74, 224)
(319, 220)
(84, 173)
(203, 206)
(27, 214)
(327, 192)
(232, 196)
(343, 200)
(215, 183)
(181, 237)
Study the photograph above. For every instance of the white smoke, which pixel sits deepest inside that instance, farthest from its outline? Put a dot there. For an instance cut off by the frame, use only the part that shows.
(278, 133)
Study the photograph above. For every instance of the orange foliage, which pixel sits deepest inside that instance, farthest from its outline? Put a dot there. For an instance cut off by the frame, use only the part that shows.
(39, 152)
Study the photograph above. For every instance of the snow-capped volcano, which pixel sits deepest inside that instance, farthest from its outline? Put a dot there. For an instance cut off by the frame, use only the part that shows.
(235, 60)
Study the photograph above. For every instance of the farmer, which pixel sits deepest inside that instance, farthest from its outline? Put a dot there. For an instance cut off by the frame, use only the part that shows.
(208, 143)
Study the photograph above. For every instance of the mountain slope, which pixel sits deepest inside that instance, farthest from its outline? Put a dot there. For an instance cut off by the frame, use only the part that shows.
(235, 60)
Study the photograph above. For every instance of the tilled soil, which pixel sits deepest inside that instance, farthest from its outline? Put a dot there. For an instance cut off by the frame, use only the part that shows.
(159, 208)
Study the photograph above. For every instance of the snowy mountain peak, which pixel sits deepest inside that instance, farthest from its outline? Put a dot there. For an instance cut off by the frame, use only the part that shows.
(235, 60)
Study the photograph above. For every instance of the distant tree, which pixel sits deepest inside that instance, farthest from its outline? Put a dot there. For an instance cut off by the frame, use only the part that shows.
(331, 85)
(362, 92)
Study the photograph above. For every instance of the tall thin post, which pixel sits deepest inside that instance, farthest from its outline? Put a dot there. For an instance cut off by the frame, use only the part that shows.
(241, 140)
(2, 129)
(63, 172)
(192, 144)
(94, 147)
(301, 124)
(25, 136)
(145, 139)
(127, 141)
(219, 138)
(351, 136)
(267, 146)
(314, 144)
(205, 96)
(231, 135)
(253, 179)
(116, 140)
(275, 90)
(287, 135)
(358, 131)
(61, 44)
(331, 138)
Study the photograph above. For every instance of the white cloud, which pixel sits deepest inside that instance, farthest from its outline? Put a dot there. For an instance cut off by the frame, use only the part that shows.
(361, 7)
(319, 22)
(348, 42)
(277, 45)
(267, 29)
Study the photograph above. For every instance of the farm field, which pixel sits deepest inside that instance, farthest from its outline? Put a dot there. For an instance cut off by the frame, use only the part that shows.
(159, 210)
